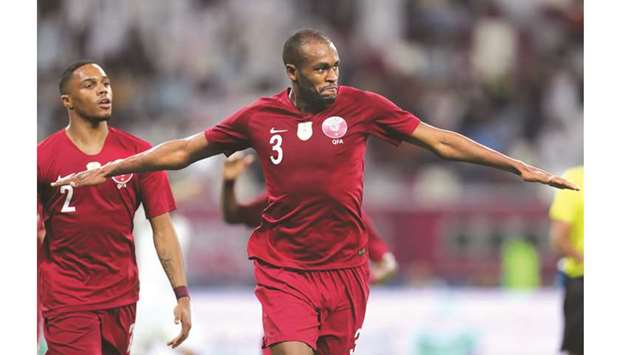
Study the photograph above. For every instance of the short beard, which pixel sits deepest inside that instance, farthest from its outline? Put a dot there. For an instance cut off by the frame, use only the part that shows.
(91, 118)
(310, 95)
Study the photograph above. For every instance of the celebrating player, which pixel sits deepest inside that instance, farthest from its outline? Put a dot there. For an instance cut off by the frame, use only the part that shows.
(89, 278)
(383, 265)
(566, 214)
(309, 253)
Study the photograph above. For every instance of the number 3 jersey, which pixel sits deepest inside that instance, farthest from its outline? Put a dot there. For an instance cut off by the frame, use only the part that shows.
(88, 257)
(313, 166)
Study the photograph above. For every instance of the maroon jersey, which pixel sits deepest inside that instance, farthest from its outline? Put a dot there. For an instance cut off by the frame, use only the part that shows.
(250, 215)
(313, 166)
(88, 258)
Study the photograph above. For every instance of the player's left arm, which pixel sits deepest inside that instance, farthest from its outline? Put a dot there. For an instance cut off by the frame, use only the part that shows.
(171, 258)
(454, 146)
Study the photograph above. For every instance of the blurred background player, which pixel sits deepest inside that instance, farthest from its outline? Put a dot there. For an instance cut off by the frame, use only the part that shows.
(566, 230)
(383, 265)
(309, 258)
(88, 274)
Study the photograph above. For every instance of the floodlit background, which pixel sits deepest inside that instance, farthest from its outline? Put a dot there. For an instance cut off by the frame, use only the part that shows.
(476, 275)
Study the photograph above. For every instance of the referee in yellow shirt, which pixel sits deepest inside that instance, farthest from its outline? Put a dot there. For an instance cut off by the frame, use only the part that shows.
(566, 214)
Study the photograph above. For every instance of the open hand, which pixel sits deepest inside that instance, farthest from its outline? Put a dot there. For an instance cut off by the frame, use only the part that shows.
(533, 174)
(89, 177)
(182, 314)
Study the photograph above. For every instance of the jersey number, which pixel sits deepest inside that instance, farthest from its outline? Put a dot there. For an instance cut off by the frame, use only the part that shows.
(276, 141)
(67, 189)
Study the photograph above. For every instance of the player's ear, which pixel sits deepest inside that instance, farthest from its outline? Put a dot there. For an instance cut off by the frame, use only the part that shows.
(66, 101)
(291, 71)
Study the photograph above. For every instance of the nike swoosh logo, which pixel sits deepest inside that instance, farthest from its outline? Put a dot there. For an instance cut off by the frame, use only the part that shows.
(274, 131)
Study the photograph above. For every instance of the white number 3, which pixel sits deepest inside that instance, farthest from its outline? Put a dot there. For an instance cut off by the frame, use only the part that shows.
(276, 140)
(67, 189)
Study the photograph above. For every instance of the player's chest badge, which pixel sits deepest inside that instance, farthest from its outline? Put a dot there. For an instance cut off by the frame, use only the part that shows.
(304, 130)
(335, 127)
(122, 180)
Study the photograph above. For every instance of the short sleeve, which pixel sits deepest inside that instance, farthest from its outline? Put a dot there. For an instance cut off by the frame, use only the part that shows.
(250, 214)
(156, 193)
(387, 121)
(566, 203)
(376, 246)
(230, 135)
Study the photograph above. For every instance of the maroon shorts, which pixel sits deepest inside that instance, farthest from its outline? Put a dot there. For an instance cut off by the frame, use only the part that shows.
(324, 309)
(90, 332)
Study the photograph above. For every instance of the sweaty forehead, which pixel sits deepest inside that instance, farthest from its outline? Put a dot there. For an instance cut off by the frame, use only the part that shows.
(319, 51)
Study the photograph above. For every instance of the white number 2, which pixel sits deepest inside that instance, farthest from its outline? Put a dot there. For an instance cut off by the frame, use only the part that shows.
(68, 189)
(276, 140)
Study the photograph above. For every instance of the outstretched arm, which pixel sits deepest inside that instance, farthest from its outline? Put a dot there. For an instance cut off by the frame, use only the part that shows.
(454, 146)
(171, 258)
(171, 155)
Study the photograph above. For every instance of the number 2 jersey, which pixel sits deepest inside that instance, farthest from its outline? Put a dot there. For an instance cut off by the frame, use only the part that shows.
(313, 166)
(88, 256)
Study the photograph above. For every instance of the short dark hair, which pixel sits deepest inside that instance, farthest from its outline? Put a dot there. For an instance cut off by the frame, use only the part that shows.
(68, 73)
(291, 52)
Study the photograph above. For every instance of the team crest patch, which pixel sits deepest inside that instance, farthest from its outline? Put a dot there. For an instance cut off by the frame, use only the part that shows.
(122, 180)
(304, 130)
(334, 127)
(93, 165)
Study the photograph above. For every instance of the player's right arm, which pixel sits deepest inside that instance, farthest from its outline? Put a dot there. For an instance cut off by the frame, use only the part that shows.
(171, 155)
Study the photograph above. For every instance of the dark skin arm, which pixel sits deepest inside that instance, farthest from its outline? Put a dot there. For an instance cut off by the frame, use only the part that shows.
(171, 258)
(171, 155)
(454, 146)
(234, 166)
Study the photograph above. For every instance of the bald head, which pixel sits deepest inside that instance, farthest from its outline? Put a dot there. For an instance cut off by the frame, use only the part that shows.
(293, 53)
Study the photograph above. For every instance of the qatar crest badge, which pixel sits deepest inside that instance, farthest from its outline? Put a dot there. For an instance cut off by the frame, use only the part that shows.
(335, 127)
(122, 180)
(304, 130)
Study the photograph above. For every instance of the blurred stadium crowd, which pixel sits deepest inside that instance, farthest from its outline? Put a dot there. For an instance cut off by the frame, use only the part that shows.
(508, 74)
